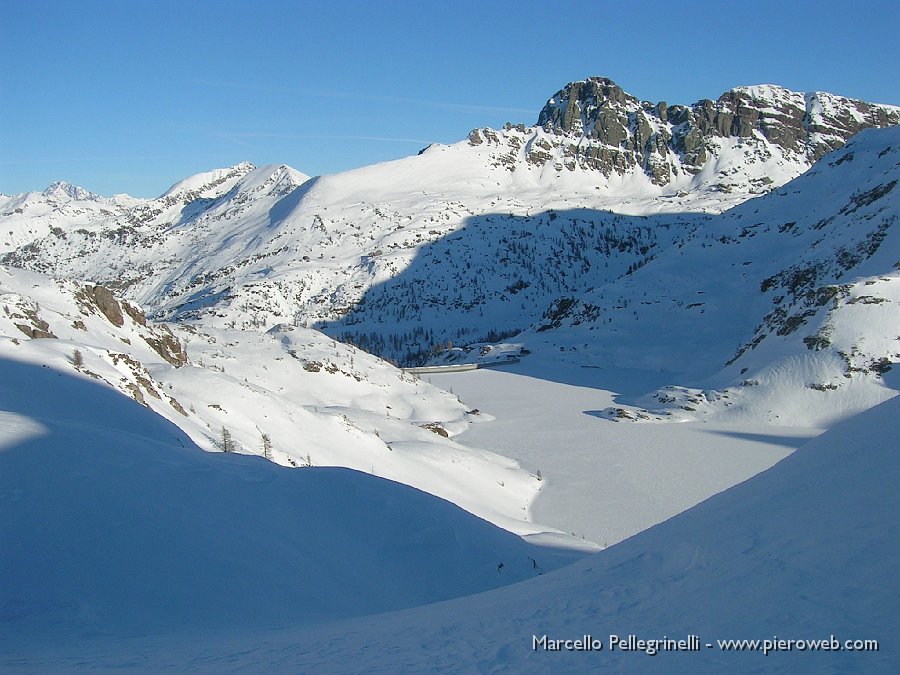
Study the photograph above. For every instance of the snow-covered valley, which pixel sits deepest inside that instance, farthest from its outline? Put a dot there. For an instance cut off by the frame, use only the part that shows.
(218, 451)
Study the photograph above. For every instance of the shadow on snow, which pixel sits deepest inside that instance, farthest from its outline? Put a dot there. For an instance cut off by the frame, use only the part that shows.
(499, 275)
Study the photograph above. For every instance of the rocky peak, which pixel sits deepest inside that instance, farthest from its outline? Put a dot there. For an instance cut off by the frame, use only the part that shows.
(579, 105)
(601, 127)
(208, 184)
(272, 179)
(63, 191)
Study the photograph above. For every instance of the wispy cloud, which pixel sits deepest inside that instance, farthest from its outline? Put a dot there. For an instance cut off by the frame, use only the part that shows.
(322, 93)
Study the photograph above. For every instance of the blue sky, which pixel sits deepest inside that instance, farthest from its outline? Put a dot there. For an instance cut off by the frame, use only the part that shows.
(132, 96)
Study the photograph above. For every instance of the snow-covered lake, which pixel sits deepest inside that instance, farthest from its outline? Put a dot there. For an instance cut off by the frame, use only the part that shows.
(604, 480)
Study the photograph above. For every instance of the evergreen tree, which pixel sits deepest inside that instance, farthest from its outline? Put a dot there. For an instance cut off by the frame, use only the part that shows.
(226, 444)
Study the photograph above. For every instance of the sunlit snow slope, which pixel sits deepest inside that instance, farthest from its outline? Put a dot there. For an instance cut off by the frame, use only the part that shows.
(316, 401)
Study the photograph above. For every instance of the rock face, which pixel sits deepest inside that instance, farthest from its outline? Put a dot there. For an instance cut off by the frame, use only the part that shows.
(159, 336)
(167, 346)
(601, 127)
(107, 303)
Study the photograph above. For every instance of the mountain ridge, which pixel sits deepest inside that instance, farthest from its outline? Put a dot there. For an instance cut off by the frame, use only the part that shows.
(607, 129)
(506, 238)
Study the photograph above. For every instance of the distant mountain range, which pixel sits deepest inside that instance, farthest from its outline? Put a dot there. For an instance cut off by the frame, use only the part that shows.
(608, 220)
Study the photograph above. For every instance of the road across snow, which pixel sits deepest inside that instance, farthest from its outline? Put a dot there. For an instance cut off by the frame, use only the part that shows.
(604, 480)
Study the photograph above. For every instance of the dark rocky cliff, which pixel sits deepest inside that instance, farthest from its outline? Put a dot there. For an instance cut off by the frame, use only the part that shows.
(611, 130)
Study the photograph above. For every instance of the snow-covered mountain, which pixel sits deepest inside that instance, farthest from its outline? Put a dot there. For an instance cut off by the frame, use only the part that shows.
(60, 208)
(291, 394)
(758, 137)
(733, 265)
(476, 242)
(256, 247)
(784, 308)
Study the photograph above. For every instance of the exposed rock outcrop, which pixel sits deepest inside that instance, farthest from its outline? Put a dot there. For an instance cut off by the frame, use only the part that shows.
(601, 127)
(167, 345)
(106, 302)
(160, 339)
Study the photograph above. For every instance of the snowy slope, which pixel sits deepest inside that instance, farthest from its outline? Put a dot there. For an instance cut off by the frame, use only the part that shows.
(804, 551)
(318, 402)
(114, 523)
(785, 308)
